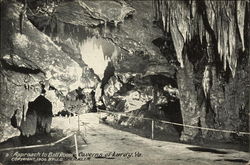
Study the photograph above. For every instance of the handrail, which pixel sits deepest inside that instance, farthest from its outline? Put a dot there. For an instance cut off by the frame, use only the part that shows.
(183, 125)
(37, 146)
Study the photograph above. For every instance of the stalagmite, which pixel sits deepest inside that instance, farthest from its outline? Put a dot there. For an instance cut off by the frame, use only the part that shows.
(206, 81)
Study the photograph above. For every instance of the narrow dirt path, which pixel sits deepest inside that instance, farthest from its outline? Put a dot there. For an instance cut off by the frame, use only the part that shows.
(106, 145)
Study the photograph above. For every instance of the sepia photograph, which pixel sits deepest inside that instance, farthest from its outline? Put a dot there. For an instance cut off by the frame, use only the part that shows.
(125, 82)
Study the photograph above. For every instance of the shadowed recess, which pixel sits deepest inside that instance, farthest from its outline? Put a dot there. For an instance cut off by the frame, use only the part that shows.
(233, 160)
(200, 149)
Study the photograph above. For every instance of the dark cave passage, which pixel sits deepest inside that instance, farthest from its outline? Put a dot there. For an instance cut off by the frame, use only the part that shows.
(166, 46)
(172, 112)
(43, 108)
(38, 118)
(13, 120)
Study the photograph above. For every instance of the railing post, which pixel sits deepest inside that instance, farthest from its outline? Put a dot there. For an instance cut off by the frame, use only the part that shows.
(78, 122)
(249, 115)
(76, 146)
(85, 130)
(99, 116)
(152, 130)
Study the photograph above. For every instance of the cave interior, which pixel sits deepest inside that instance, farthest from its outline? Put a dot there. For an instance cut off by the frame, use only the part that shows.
(67, 58)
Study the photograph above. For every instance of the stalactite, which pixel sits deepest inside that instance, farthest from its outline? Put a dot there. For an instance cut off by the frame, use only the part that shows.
(193, 23)
(167, 16)
(200, 28)
(178, 41)
(241, 7)
(184, 22)
(179, 27)
(163, 14)
(211, 15)
(232, 58)
(93, 55)
(105, 28)
(219, 32)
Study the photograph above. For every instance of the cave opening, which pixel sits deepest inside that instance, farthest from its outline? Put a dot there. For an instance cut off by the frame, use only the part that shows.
(161, 80)
(172, 113)
(13, 120)
(38, 118)
(166, 46)
(171, 110)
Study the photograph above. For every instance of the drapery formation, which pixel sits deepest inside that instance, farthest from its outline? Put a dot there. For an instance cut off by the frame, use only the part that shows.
(219, 22)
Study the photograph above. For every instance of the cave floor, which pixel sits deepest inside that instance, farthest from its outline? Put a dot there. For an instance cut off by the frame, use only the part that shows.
(112, 146)
(105, 139)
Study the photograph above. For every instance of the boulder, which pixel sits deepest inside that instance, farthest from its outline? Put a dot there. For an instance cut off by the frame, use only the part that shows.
(112, 86)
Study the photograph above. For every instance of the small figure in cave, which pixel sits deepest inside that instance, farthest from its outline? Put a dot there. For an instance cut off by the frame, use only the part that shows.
(94, 108)
(151, 106)
(80, 95)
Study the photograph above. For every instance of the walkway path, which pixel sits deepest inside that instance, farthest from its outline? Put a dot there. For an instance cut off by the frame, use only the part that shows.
(110, 146)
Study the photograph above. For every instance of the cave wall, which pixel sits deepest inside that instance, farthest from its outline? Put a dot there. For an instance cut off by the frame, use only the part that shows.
(30, 62)
(213, 91)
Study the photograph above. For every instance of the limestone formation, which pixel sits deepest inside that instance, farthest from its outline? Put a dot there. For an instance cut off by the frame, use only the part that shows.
(183, 61)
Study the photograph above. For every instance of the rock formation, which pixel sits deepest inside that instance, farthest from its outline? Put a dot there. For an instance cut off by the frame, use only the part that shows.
(189, 67)
(213, 77)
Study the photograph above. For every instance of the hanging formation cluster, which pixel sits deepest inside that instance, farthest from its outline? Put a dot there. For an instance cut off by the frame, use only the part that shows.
(186, 19)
